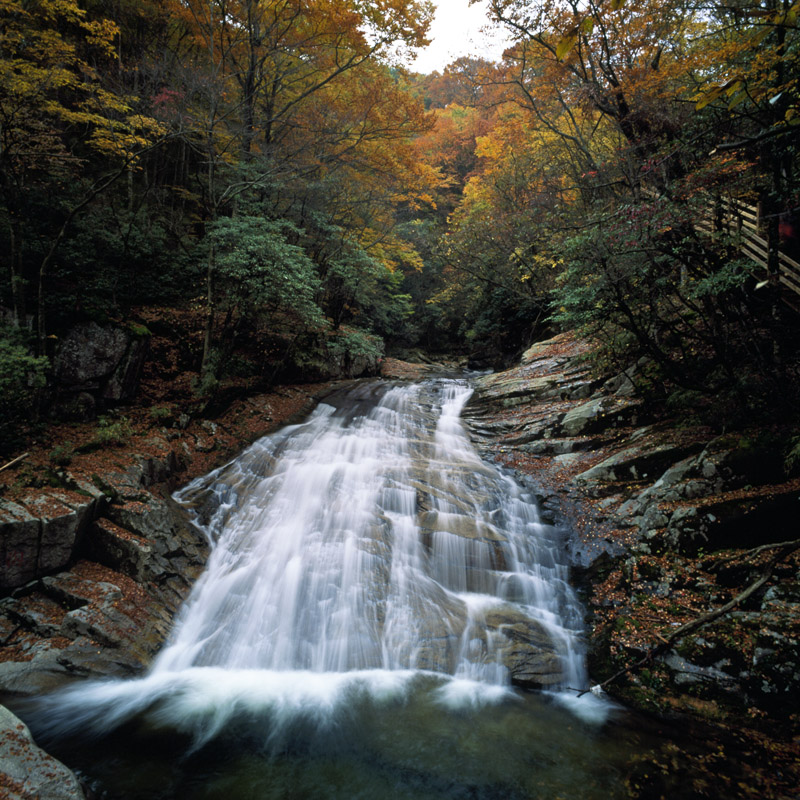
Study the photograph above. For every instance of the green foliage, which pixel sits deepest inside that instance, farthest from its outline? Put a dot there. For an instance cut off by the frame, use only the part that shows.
(161, 415)
(505, 320)
(643, 283)
(115, 258)
(352, 343)
(110, 433)
(138, 330)
(259, 270)
(792, 459)
(22, 376)
(61, 455)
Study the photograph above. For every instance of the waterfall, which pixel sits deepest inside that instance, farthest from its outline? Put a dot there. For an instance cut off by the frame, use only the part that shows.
(359, 557)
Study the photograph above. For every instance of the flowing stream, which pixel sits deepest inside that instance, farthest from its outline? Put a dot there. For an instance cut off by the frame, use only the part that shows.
(374, 595)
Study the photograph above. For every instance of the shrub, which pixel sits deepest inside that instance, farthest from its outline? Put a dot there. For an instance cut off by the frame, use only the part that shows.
(109, 432)
(792, 460)
(350, 343)
(161, 415)
(62, 454)
(22, 376)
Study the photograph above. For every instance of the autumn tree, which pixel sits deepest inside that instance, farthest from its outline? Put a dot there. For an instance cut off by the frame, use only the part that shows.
(56, 113)
(274, 97)
(751, 99)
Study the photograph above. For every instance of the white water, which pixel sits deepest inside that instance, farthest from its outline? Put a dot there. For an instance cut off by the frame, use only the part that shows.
(363, 554)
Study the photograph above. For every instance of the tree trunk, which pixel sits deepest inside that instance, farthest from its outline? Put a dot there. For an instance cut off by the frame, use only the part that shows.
(17, 280)
(208, 333)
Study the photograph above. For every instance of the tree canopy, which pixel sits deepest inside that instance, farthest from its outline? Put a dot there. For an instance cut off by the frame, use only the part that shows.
(275, 166)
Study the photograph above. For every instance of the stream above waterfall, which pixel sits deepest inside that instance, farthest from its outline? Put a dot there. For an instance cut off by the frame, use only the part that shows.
(375, 599)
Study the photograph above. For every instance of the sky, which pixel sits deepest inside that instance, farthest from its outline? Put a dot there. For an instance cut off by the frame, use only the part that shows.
(455, 32)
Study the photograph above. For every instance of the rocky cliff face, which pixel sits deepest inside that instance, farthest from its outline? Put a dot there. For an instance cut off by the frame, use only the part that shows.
(669, 524)
(106, 562)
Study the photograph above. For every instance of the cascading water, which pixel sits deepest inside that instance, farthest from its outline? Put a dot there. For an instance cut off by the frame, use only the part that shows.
(374, 541)
(368, 569)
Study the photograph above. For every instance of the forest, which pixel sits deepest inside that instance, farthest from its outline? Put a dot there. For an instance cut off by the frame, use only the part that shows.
(270, 182)
(216, 213)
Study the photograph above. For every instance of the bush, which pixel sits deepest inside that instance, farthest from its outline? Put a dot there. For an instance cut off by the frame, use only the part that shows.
(22, 376)
(351, 343)
(61, 455)
(792, 461)
(161, 415)
(113, 433)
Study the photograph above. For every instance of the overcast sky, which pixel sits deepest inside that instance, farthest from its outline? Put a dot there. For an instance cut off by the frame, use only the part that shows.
(455, 32)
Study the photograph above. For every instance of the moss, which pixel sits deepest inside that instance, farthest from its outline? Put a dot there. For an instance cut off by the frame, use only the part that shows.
(643, 698)
(106, 488)
(139, 330)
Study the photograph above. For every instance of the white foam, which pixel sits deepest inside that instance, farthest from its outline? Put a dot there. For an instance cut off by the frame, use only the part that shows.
(460, 693)
(202, 701)
(588, 707)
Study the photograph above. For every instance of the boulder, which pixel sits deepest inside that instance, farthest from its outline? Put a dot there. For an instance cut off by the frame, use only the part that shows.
(584, 417)
(40, 536)
(96, 364)
(634, 463)
(528, 652)
(27, 771)
(532, 668)
(19, 545)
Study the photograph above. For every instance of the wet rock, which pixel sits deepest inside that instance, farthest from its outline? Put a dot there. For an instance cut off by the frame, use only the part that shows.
(529, 654)
(459, 525)
(40, 669)
(531, 668)
(27, 771)
(153, 518)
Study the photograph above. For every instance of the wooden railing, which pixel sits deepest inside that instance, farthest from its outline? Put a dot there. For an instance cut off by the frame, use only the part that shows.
(736, 217)
(739, 218)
